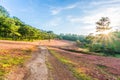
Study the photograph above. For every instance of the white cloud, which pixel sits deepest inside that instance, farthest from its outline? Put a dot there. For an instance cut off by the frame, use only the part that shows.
(104, 2)
(71, 6)
(92, 16)
(85, 23)
(54, 22)
(73, 19)
(55, 11)
(112, 13)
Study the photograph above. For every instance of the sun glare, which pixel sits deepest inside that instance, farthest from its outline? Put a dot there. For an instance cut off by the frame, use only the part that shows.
(106, 32)
(104, 36)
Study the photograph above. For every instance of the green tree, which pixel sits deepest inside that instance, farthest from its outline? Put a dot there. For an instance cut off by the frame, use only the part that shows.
(3, 11)
(103, 24)
(105, 41)
(50, 35)
(14, 28)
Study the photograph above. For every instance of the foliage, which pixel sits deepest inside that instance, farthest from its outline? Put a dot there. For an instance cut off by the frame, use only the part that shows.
(103, 24)
(13, 28)
(3, 11)
(78, 43)
(80, 40)
(72, 37)
(105, 41)
(8, 61)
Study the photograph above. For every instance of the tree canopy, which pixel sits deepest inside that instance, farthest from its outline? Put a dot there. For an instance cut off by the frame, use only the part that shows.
(3, 11)
(103, 24)
(14, 28)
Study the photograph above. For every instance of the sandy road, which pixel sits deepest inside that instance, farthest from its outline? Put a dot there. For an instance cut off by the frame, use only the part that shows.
(37, 67)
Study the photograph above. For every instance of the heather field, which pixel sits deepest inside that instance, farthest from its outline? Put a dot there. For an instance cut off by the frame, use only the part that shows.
(13, 54)
(83, 66)
(59, 39)
(89, 67)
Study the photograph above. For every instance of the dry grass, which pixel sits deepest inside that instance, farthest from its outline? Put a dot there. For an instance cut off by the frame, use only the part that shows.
(14, 54)
(98, 67)
(56, 43)
(79, 73)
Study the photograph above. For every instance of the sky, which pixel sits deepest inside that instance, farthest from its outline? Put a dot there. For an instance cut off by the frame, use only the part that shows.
(64, 16)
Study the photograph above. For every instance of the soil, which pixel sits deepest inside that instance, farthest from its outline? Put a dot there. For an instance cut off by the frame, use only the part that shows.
(34, 69)
(37, 67)
(58, 71)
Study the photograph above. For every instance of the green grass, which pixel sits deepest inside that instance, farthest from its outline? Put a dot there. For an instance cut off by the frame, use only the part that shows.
(71, 66)
(8, 61)
(50, 68)
(86, 51)
(118, 78)
(117, 55)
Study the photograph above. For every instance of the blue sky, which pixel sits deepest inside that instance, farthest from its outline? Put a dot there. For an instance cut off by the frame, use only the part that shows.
(64, 16)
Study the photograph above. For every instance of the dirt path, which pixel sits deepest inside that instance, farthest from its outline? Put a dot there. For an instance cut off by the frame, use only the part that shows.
(37, 66)
(40, 70)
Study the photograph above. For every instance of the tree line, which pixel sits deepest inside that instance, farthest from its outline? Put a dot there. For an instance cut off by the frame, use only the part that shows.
(72, 37)
(13, 28)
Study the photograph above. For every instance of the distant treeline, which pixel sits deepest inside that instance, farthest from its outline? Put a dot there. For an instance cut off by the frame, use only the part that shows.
(72, 37)
(13, 28)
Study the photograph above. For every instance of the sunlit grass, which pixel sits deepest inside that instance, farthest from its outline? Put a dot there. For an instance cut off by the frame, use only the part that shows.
(10, 60)
(50, 69)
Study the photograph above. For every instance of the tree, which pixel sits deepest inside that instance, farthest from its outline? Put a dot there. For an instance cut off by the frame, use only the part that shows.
(103, 30)
(18, 22)
(3, 11)
(103, 24)
(105, 41)
(50, 35)
(14, 28)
